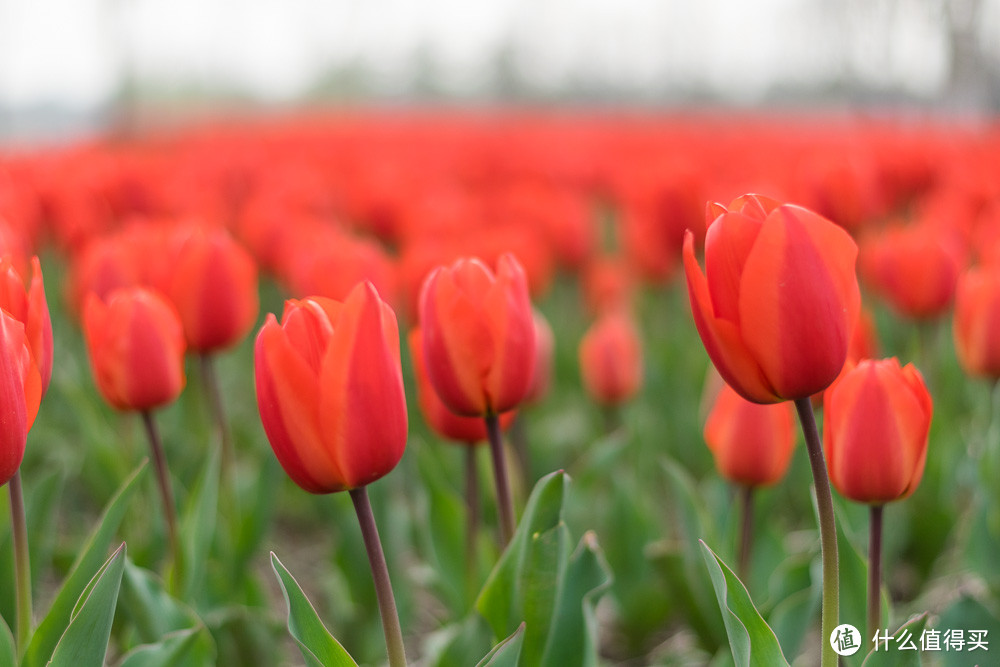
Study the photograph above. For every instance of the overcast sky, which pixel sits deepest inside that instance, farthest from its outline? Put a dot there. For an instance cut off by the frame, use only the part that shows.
(72, 52)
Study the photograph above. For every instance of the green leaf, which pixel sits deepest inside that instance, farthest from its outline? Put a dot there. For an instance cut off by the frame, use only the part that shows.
(193, 646)
(458, 644)
(967, 613)
(891, 656)
(506, 653)
(318, 646)
(85, 642)
(51, 628)
(197, 526)
(8, 651)
(750, 638)
(148, 606)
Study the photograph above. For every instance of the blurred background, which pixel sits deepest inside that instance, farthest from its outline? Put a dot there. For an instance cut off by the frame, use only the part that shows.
(73, 66)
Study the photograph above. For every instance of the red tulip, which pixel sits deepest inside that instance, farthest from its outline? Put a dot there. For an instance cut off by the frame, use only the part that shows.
(479, 337)
(611, 359)
(20, 393)
(136, 348)
(545, 343)
(877, 418)
(752, 444)
(213, 283)
(31, 309)
(778, 300)
(330, 390)
(977, 321)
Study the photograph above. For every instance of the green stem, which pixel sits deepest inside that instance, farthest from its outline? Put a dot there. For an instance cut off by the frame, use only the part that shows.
(471, 519)
(827, 530)
(746, 531)
(505, 506)
(874, 568)
(22, 562)
(163, 483)
(380, 574)
(211, 380)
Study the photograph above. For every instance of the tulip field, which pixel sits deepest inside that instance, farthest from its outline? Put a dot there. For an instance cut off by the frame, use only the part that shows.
(503, 387)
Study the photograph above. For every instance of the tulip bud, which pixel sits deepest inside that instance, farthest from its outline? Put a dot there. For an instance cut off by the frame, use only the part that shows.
(136, 348)
(611, 359)
(330, 390)
(876, 422)
(752, 444)
(479, 338)
(778, 300)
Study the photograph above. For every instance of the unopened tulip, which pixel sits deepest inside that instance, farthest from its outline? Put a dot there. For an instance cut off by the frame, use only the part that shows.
(213, 283)
(479, 337)
(752, 444)
(136, 348)
(977, 321)
(611, 359)
(877, 417)
(31, 309)
(778, 300)
(20, 393)
(330, 390)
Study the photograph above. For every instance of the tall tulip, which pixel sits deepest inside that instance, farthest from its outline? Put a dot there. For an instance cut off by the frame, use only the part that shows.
(775, 309)
(877, 419)
(479, 346)
(330, 395)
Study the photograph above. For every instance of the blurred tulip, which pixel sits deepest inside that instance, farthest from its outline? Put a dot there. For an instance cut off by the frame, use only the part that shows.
(877, 419)
(31, 309)
(752, 444)
(611, 359)
(778, 300)
(478, 335)
(976, 326)
(212, 281)
(20, 393)
(330, 390)
(136, 348)
(545, 342)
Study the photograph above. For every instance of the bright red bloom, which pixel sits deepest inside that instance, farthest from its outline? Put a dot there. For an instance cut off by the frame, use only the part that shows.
(611, 359)
(977, 321)
(330, 390)
(31, 309)
(20, 394)
(752, 444)
(778, 300)
(136, 348)
(212, 281)
(876, 422)
(479, 337)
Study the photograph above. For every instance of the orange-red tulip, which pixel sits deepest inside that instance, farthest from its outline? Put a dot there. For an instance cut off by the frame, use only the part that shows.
(330, 390)
(213, 283)
(752, 444)
(31, 309)
(20, 394)
(778, 300)
(479, 337)
(976, 326)
(136, 348)
(877, 418)
(545, 344)
(611, 359)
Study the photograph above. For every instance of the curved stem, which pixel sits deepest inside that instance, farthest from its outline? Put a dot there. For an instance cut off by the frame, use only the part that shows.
(380, 574)
(22, 562)
(505, 506)
(827, 530)
(874, 568)
(163, 483)
(746, 531)
(472, 518)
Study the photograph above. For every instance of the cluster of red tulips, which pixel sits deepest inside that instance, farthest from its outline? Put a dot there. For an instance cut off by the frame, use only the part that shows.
(446, 226)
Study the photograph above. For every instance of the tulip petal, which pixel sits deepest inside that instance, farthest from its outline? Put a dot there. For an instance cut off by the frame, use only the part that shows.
(14, 425)
(727, 245)
(721, 338)
(508, 311)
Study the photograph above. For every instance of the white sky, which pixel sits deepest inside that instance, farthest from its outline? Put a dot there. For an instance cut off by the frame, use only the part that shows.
(70, 52)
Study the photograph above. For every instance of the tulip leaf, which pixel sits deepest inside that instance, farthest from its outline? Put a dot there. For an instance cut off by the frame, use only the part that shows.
(506, 653)
(8, 651)
(193, 646)
(967, 613)
(752, 641)
(51, 628)
(319, 648)
(891, 654)
(197, 526)
(459, 644)
(85, 641)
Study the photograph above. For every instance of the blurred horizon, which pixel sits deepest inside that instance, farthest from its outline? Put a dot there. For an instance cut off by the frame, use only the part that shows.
(72, 66)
